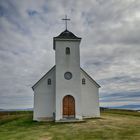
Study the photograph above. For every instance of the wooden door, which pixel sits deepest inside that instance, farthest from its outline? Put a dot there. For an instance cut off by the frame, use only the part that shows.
(68, 107)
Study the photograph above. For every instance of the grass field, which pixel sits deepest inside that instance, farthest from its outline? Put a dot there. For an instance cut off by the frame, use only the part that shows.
(113, 125)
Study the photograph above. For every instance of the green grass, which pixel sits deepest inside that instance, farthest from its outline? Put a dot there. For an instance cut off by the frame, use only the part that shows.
(113, 125)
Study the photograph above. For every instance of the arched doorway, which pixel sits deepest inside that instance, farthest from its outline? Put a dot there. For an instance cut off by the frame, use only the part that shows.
(68, 107)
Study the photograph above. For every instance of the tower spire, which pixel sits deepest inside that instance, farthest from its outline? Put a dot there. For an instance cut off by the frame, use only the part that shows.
(66, 20)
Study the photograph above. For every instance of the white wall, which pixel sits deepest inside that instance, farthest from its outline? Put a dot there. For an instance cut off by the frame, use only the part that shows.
(44, 98)
(90, 97)
(65, 87)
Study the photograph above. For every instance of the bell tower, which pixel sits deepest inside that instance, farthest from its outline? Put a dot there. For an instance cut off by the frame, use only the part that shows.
(67, 74)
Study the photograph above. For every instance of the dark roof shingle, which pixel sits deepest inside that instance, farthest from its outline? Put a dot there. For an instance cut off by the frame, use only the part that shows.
(67, 35)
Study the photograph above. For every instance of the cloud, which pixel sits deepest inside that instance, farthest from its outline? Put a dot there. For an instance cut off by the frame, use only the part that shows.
(109, 49)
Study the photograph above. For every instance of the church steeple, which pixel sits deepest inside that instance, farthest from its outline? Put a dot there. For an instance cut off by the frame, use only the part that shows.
(67, 75)
(65, 35)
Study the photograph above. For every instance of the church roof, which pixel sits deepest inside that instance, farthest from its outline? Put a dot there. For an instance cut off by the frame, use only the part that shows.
(67, 35)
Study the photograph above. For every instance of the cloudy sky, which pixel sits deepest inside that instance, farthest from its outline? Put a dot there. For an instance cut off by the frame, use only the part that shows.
(110, 47)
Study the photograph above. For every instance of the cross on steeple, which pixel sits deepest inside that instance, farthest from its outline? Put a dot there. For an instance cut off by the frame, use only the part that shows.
(66, 19)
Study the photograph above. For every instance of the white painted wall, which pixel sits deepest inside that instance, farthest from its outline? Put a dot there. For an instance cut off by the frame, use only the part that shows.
(90, 98)
(65, 87)
(44, 98)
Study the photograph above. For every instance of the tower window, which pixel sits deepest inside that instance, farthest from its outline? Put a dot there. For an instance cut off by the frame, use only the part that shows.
(67, 50)
(83, 81)
(49, 81)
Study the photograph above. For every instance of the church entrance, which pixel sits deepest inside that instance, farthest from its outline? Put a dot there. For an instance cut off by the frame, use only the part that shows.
(68, 107)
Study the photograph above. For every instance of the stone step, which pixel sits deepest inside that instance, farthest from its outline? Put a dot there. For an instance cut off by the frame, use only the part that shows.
(69, 121)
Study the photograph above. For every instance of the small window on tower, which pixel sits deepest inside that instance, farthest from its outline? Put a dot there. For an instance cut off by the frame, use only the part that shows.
(83, 81)
(67, 50)
(49, 81)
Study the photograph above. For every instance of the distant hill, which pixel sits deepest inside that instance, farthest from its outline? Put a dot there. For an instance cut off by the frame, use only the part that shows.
(10, 110)
(131, 107)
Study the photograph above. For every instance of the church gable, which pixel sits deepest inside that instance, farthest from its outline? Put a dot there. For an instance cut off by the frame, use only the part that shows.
(48, 77)
(88, 77)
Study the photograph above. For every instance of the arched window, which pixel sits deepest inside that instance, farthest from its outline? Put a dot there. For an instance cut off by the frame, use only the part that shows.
(83, 81)
(67, 50)
(49, 81)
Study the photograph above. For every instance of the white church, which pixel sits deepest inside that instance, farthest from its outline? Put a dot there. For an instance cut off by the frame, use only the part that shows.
(66, 92)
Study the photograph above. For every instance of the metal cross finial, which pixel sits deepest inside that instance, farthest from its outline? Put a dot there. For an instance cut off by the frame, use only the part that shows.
(66, 19)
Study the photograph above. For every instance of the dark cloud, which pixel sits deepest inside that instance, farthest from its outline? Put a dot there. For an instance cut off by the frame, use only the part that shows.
(32, 12)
